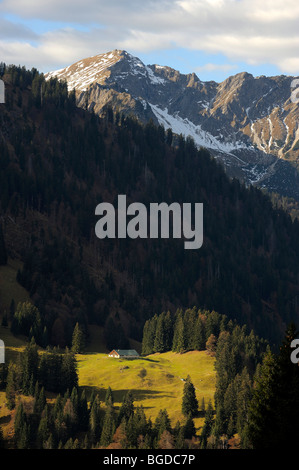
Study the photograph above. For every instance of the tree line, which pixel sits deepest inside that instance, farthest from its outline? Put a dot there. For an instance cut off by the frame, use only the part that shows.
(59, 161)
(237, 353)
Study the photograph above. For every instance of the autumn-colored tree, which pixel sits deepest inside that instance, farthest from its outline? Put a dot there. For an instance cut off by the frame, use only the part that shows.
(211, 345)
(166, 440)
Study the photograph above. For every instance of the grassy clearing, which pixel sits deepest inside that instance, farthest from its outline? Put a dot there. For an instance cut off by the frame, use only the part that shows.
(155, 381)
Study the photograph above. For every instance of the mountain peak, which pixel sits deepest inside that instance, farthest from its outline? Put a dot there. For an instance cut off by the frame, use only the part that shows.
(83, 73)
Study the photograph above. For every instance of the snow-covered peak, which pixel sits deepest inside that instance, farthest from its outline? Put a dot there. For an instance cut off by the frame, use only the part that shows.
(98, 68)
(87, 71)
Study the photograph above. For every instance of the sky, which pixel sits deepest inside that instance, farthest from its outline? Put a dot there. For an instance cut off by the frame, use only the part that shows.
(213, 38)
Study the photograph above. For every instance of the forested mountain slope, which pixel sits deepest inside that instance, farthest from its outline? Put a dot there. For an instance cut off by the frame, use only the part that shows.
(58, 162)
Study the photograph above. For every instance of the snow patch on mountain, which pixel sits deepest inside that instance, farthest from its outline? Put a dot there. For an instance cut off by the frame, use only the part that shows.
(187, 128)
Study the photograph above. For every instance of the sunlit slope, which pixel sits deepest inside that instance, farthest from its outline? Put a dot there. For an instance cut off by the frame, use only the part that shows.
(155, 381)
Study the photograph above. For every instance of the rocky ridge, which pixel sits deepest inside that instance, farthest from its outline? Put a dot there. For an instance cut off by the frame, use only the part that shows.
(249, 123)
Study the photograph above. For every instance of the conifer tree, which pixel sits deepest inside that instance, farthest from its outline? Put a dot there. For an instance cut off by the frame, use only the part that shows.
(19, 423)
(78, 342)
(69, 370)
(95, 420)
(29, 361)
(274, 408)
(189, 428)
(109, 399)
(198, 340)
(11, 386)
(43, 432)
(83, 413)
(179, 335)
(208, 425)
(149, 334)
(162, 423)
(159, 342)
(109, 427)
(127, 407)
(189, 402)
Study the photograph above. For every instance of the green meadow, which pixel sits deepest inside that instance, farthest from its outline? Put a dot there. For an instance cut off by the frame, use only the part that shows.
(156, 381)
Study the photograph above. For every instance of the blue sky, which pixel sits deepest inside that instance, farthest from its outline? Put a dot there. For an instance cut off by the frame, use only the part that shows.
(213, 38)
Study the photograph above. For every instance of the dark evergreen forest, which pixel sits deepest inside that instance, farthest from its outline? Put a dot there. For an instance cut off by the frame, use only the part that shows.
(58, 162)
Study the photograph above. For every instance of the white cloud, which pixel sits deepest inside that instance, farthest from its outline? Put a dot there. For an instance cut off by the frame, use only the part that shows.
(212, 67)
(246, 30)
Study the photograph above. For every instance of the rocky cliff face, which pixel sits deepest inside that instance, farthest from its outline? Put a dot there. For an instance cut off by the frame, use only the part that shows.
(249, 123)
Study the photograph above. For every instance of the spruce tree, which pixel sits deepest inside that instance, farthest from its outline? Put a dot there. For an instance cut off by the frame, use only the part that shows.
(127, 407)
(11, 386)
(43, 432)
(189, 402)
(69, 376)
(95, 428)
(109, 399)
(189, 428)
(208, 425)
(19, 423)
(78, 342)
(159, 342)
(109, 427)
(162, 423)
(179, 336)
(274, 408)
(149, 334)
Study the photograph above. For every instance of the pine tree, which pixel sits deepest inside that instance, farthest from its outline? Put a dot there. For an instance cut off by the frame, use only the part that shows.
(189, 402)
(159, 342)
(20, 421)
(11, 387)
(40, 399)
(162, 423)
(127, 407)
(109, 399)
(274, 408)
(83, 413)
(179, 336)
(43, 432)
(95, 420)
(69, 374)
(24, 438)
(208, 425)
(168, 329)
(149, 334)
(78, 342)
(198, 340)
(189, 428)
(29, 361)
(109, 427)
